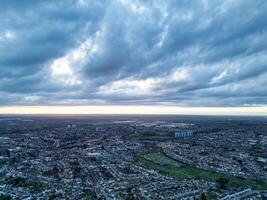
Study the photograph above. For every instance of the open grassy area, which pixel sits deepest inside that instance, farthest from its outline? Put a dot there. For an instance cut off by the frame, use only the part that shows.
(175, 169)
(157, 136)
(160, 159)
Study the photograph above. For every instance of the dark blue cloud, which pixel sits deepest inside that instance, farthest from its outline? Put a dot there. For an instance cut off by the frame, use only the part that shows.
(201, 53)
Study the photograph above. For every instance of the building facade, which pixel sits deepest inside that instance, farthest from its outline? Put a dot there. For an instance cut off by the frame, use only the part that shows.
(183, 133)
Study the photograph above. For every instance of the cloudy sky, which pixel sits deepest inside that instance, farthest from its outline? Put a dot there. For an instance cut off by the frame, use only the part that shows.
(208, 53)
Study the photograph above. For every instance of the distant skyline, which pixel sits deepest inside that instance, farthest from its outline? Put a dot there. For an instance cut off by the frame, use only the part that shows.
(125, 56)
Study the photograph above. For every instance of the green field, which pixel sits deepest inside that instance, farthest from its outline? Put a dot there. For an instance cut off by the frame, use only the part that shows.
(160, 159)
(175, 169)
(157, 136)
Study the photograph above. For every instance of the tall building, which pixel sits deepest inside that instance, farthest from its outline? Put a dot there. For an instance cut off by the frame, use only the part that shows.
(72, 126)
(100, 129)
(183, 133)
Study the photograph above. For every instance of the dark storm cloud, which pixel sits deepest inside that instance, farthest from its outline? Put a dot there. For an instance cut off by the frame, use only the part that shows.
(197, 53)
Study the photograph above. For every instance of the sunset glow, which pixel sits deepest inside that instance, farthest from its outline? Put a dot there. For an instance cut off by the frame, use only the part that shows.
(133, 110)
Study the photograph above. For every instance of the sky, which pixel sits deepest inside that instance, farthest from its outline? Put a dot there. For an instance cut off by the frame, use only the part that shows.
(124, 54)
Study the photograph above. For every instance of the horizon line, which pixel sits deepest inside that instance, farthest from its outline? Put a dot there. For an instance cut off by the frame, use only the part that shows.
(133, 110)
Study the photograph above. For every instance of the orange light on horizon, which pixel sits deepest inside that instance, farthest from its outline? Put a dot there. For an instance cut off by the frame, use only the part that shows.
(134, 109)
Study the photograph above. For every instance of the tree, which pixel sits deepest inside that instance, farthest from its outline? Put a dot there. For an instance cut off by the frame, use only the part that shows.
(222, 182)
(130, 195)
(203, 196)
(5, 197)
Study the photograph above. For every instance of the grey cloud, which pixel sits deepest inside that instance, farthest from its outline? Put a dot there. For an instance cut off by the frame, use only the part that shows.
(135, 46)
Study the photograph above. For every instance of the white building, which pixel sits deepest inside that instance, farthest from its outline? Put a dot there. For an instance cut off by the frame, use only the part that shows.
(73, 126)
(100, 129)
(183, 133)
(70, 126)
